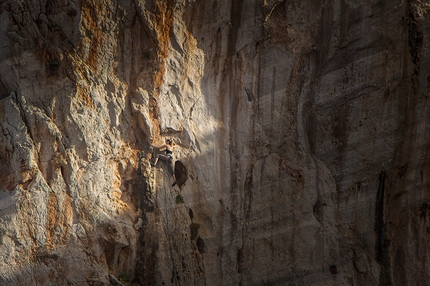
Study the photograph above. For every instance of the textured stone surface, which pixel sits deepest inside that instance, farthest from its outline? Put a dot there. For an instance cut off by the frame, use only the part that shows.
(303, 127)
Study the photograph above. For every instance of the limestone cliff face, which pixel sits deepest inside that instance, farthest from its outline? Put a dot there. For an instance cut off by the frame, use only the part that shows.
(303, 126)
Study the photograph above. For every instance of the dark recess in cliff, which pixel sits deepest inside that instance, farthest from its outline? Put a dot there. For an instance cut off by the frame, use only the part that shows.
(382, 243)
(415, 39)
(146, 263)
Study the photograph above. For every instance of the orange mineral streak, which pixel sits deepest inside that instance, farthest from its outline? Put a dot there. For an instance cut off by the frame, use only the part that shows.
(67, 217)
(58, 221)
(96, 33)
(84, 95)
(164, 22)
(83, 91)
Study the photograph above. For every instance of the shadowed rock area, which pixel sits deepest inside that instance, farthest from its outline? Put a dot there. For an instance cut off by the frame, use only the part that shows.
(181, 173)
(302, 131)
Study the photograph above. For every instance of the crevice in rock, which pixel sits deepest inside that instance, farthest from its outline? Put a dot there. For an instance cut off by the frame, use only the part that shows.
(415, 38)
(333, 269)
(235, 23)
(311, 123)
(249, 94)
(3, 91)
(318, 211)
(191, 214)
(201, 246)
(240, 261)
(147, 245)
(382, 242)
(142, 191)
(248, 193)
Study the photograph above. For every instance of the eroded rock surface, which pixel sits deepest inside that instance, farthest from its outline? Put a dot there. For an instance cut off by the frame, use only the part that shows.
(302, 128)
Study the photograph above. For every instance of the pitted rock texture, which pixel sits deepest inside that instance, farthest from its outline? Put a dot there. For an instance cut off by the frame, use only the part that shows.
(301, 126)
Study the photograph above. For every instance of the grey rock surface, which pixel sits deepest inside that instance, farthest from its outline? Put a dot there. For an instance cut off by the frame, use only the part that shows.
(302, 130)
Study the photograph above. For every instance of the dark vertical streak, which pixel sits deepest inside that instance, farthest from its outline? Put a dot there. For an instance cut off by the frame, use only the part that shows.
(146, 264)
(382, 243)
(235, 21)
(272, 107)
(258, 84)
(415, 40)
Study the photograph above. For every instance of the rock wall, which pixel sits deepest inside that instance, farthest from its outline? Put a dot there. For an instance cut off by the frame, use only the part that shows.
(303, 127)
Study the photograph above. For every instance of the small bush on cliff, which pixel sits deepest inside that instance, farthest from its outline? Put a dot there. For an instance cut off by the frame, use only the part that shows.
(179, 199)
(123, 278)
(54, 63)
